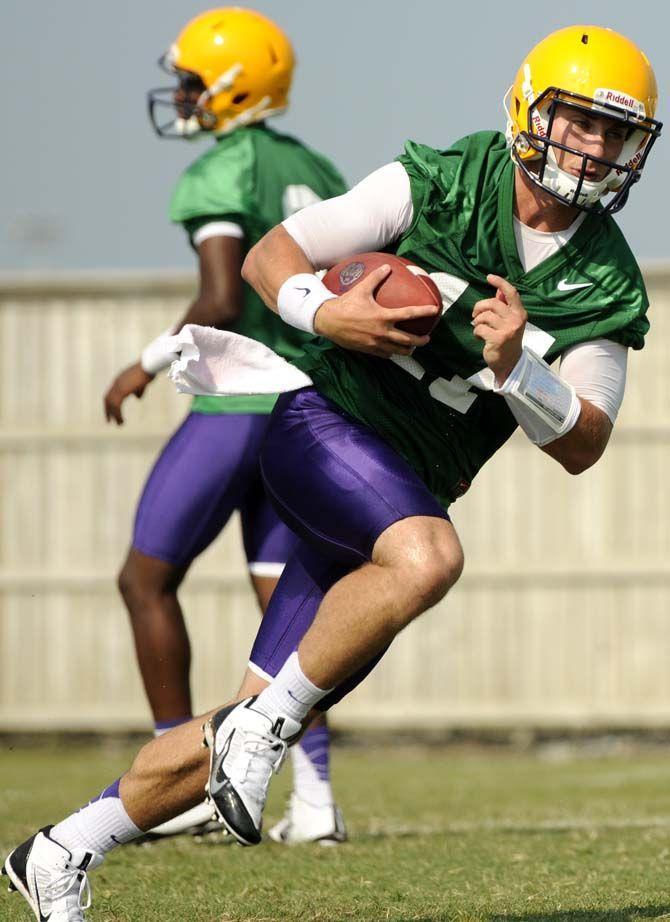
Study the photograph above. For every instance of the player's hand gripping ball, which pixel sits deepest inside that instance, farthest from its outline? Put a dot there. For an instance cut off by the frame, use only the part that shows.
(406, 285)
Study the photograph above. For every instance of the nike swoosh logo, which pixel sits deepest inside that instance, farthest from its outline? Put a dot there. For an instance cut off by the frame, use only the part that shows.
(291, 695)
(306, 290)
(564, 285)
(220, 776)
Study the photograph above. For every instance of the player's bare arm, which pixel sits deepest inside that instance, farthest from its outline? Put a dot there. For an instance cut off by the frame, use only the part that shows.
(275, 258)
(219, 299)
(579, 449)
(218, 304)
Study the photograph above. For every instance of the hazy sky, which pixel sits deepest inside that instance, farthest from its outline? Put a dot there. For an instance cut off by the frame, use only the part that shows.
(87, 184)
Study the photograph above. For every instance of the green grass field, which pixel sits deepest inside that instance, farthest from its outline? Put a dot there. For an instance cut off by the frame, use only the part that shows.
(436, 834)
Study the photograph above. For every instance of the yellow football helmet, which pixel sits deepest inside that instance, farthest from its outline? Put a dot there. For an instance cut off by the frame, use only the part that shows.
(234, 67)
(585, 68)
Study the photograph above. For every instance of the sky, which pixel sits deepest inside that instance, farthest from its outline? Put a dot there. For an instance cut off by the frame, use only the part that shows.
(87, 183)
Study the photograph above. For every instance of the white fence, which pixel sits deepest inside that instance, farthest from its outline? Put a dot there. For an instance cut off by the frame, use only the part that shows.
(561, 617)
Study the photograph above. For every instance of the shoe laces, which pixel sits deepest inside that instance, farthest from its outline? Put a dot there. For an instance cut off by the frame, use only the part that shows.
(261, 755)
(62, 889)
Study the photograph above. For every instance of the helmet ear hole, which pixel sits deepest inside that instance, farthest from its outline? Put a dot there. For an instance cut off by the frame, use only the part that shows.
(239, 99)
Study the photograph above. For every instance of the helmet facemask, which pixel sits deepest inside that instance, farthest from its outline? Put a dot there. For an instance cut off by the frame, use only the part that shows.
(182, 118)
(536, 153)
(233, 68)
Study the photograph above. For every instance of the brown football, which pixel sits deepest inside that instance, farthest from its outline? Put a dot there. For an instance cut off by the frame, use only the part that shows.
(406, 285)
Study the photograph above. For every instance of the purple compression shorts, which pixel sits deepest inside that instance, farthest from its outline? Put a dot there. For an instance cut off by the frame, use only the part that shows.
(338, 486)
(208, 469)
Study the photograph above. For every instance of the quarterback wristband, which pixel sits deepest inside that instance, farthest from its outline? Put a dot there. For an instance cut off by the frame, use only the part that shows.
(299, 299)
(159, 353)
(544, 404)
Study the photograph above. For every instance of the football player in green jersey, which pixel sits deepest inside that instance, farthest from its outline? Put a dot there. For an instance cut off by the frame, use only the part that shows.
(365, 463)
(234, 69)
(530, 266)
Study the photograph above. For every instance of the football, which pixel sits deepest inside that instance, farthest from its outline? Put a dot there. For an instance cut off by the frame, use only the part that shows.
(406, 285)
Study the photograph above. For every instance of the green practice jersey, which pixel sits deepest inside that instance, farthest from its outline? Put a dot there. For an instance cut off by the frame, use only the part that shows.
(436, 407)
(254, 177)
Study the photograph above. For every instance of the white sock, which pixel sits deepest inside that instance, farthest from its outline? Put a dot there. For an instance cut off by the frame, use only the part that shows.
(290, 694)
(99, 827)
(306, 782)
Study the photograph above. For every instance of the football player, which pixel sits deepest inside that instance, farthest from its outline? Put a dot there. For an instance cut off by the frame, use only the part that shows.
(233, 70)
(518, 234)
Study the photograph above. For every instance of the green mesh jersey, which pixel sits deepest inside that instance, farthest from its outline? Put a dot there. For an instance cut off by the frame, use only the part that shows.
(254, 177)
(436, 407)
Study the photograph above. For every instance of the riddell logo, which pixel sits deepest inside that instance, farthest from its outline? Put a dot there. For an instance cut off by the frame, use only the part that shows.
(538, 126)
(633, 163)
(619, 99)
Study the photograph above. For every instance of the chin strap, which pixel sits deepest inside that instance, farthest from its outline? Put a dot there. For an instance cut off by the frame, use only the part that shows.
(557, 180)
(253, 114)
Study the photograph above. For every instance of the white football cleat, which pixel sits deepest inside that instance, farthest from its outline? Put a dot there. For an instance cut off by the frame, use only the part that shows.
(198, 821)
(246, 748)
(50, 878)
(304, 822)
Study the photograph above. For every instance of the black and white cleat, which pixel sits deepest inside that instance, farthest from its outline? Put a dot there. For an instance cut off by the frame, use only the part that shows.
(246, 749)
(50, 878)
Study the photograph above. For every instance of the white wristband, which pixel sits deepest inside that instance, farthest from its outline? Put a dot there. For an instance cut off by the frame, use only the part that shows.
(159, 353)
(299, 299)
(545, 405)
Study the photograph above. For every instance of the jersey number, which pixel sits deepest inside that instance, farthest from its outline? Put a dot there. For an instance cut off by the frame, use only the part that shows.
(457, 392)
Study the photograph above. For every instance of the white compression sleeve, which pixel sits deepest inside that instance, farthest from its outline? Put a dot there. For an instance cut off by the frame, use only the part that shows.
(367, 218)
(597, 371)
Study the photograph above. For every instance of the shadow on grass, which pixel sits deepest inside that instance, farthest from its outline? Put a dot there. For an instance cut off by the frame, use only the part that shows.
(627, 914)
(505, 829)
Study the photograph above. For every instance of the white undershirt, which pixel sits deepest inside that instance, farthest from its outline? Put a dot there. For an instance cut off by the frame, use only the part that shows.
(534, 246)
(379, 210)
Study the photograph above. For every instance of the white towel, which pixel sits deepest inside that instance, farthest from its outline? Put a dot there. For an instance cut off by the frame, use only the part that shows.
(221, 363)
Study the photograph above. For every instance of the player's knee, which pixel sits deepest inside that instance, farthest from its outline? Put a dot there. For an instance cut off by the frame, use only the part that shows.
(124, 583)
(130, 585)
(435, 573)
(138, 588)
(431, 563)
